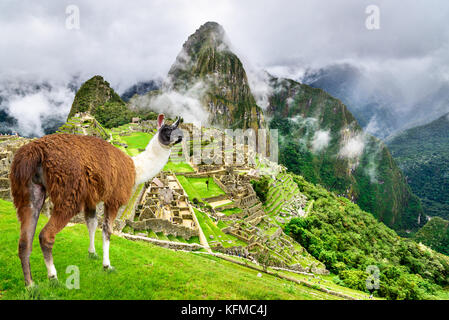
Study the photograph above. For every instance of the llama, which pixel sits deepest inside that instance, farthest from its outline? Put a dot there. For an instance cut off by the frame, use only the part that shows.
(77, 172)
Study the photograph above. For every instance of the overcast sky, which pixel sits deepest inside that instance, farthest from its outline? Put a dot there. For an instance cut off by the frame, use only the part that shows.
(127, 41)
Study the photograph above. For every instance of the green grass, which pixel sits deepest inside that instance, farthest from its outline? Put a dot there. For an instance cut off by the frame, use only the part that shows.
(143, 271)
(209, 228)
(199, 184)
(137, 139)
(189, 189)
(178, 167)
(224, 204)
(229, 212)
(129, 207)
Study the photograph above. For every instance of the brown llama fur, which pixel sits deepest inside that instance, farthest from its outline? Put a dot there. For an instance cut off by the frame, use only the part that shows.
(76, 172)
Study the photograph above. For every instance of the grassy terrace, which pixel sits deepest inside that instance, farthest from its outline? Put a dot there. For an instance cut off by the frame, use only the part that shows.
(189, 189)
(143, 271)
(178, 167)
(209, 228)
(199, 184)
(197, 188)
(232, 211)
(135, 141)
(278, 195)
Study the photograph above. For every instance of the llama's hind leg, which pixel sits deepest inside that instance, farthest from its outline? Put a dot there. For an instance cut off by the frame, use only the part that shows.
(110, 212)
(57, 222)
(28, 216)
(92, 223)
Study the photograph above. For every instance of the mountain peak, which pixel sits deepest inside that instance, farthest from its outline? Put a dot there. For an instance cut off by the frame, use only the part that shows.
(210, 35)
(94, 92)
(206, 60)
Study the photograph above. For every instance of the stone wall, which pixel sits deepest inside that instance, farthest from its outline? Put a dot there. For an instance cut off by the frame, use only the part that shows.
(165, 244)
(216, 198)
(164, 226)
(235, 203)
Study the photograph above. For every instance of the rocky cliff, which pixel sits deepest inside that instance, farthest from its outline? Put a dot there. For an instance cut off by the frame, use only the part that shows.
(206, 58)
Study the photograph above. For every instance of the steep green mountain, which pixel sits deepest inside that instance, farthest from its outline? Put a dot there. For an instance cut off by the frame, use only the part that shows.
(353, 245)
(93, 93)
(98, 99)
(435, 234)
(423, 155)
(321, 140)
(206, 59)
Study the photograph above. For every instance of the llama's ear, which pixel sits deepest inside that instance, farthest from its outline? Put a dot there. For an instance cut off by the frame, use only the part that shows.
(176, 124)
(160, 121)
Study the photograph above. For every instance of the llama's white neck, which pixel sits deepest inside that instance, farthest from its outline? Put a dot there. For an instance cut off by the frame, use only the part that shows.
(151, 161)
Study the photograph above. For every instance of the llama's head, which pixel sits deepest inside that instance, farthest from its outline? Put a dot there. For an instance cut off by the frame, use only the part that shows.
(169, 135)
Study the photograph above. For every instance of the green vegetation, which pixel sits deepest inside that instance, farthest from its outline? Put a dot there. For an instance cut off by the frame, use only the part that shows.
(143, 271)
(192, 193)
(423, 154)
(113, 114)
(93, 93)
(84, 127)
(137, 140)
(201, 189)
(348, 240)
(279, 193)
(261, 188)
(178, 167)
(435, 234)
(376, 183)
(210, 229)
(232, 211)
(218, 69)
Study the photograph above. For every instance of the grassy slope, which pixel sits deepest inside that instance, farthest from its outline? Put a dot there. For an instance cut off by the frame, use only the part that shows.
(143, 271)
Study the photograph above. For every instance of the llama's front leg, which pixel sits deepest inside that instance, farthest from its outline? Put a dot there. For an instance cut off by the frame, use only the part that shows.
(109, 216)
(92, 223)
(57, 222)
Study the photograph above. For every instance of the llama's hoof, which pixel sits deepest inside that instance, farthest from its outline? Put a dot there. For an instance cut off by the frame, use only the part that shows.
(93, 256)
(53, 278)
(32, 292)
(30, 286)
(109, 268)
(54, 282)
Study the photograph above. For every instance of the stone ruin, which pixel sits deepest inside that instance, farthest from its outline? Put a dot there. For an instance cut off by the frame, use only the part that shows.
(8, 147)
(164, 207)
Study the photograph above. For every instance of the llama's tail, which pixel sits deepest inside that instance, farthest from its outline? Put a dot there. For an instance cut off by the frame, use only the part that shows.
(23, 168)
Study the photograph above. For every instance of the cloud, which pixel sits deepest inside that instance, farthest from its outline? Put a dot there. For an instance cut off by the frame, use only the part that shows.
(320, 140)
(260, 87)
(131, 43)
(353, 147)
(34, 106)
(186, 104)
